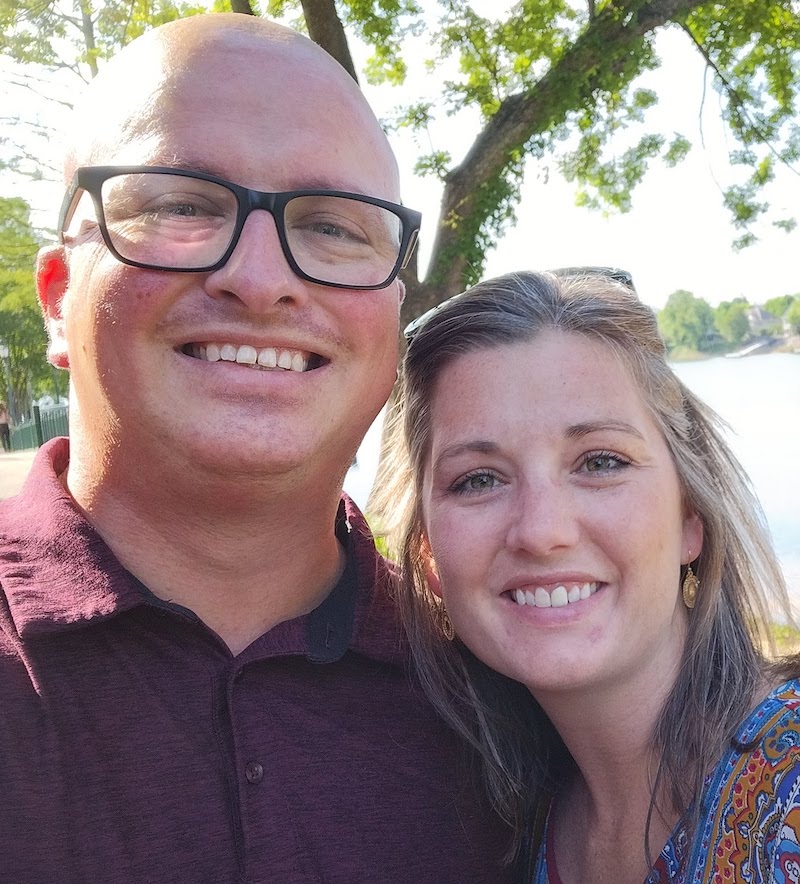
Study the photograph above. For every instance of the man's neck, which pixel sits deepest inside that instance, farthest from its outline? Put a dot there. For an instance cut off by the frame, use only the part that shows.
(244, 555)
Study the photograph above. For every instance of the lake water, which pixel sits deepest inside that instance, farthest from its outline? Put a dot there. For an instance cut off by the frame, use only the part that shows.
(759, 398)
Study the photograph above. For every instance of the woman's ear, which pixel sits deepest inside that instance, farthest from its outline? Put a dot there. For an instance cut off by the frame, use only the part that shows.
(692, 537)
(429, 567)
(52, 279)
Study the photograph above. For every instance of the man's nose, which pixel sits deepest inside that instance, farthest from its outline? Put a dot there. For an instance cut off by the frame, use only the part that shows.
(257, 272)
(544, 520)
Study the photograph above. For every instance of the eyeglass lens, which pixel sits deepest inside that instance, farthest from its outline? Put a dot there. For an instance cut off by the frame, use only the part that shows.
(175, 221)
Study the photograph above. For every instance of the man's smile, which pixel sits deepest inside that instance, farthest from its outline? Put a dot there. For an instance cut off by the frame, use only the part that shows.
(264, 358)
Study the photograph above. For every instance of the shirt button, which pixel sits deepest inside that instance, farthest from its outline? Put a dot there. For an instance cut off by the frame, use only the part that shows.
(254, 772)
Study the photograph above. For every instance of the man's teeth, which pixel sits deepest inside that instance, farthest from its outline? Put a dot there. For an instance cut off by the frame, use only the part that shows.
(558, 597)
(267, 357)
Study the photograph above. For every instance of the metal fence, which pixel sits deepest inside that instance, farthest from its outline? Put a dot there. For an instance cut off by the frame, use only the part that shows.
(47, 423)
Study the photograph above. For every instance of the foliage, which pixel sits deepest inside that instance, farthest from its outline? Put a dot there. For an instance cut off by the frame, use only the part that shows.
(752, 47)
(21, 327)
(730, 318)
(778, 306)
(686, 321)
(792, 316)
(78, 36)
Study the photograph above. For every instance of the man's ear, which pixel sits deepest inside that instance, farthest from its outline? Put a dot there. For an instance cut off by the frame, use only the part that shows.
(401, 290)
(52, 279)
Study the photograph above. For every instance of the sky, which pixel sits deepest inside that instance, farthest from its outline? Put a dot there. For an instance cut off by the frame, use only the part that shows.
(678, 235)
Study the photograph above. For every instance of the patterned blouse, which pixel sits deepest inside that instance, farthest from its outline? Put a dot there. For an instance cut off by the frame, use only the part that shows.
(749, 831)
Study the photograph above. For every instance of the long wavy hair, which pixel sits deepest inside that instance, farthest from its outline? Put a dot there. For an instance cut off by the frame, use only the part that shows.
(523, 758)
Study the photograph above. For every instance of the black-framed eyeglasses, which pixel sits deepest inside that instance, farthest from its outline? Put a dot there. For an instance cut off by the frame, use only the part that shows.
(615, 273)
(163, 218)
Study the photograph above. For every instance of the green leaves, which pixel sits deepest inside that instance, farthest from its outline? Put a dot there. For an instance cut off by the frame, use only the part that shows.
(731, 321)
(686, 321)
(79, 35)
(21, 327)
(436, 163)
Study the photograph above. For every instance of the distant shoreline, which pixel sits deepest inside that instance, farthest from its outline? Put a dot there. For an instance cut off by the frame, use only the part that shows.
(788, 344)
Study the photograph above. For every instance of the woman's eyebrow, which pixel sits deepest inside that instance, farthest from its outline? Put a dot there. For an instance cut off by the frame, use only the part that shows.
(476, 446)
(577, 431)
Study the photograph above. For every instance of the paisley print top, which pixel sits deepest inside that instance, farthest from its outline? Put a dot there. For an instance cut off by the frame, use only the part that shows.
(749, 829)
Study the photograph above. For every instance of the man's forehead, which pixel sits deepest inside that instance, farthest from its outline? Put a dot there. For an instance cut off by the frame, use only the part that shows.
(126, 101)
(262, 125)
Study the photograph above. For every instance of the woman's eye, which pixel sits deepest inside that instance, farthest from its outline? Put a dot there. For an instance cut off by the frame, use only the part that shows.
(474, 483)
(603, 462)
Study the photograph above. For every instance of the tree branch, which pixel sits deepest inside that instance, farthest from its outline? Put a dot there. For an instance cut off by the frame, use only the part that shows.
(736, 99)
(604, 47)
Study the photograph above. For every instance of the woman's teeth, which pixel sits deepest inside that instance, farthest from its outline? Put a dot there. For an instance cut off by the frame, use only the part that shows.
(557, 597)
(244, 354)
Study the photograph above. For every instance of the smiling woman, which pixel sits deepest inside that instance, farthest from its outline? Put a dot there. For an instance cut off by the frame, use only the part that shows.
(572, 515)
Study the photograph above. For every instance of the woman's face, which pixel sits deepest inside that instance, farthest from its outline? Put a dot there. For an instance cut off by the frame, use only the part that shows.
(554, 515)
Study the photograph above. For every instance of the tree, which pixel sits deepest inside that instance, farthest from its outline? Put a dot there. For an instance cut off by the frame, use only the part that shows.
(21, 327)
(551, 82)
(550, 70)
(730, 318)
(778, 306)
(792, 316)
(686, 321)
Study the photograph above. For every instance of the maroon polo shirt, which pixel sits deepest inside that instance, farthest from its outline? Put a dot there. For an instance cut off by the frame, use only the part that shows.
(135, 748)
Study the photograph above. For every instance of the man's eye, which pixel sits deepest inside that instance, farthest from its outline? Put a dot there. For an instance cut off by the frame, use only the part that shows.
(328, 229)
(604, 462)
(185, 209)
(342, 231)
(474, 483)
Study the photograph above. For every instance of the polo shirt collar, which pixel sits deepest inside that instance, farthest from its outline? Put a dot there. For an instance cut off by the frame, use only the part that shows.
(55, 569)
(57, 573)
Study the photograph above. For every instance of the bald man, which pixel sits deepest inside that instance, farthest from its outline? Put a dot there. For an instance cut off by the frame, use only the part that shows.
(202, 678)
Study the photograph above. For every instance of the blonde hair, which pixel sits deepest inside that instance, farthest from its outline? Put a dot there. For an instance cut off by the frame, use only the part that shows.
(522, 756)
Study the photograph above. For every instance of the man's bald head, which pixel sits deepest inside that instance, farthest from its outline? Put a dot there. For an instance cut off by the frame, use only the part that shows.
(127, 101)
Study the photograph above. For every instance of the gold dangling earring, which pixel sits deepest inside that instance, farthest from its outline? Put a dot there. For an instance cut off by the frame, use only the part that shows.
(690, 586)
(445, 624)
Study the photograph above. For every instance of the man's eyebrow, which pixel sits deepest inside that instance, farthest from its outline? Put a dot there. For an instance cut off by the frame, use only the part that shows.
(188, 165)
(183, 165)
(477, 446)
(577, 431)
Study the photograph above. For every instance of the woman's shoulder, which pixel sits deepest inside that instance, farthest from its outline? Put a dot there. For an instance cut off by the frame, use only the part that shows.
(764, 751)
(778, 710)
(751, 807)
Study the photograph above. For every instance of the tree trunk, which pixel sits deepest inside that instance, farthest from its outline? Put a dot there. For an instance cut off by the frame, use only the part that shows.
(242, 6)
(87, 26)
(325, 28)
